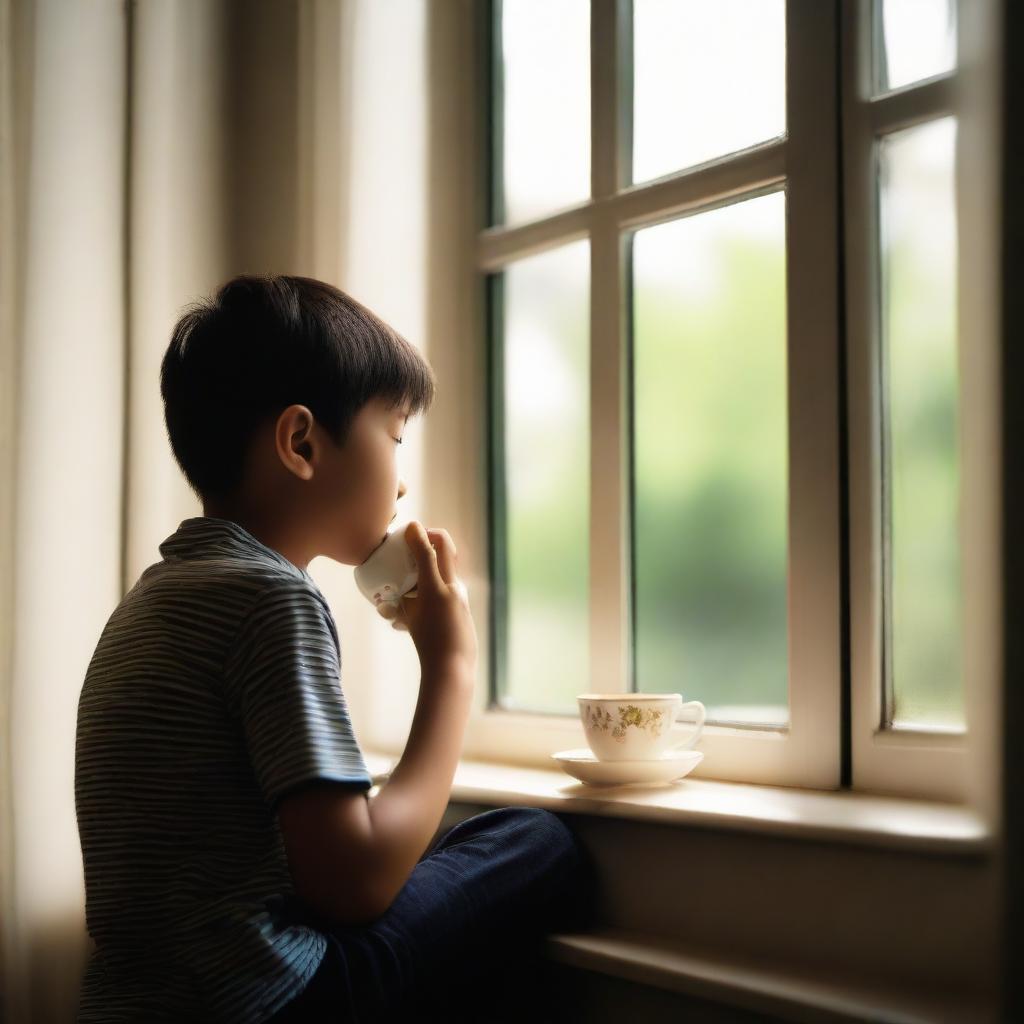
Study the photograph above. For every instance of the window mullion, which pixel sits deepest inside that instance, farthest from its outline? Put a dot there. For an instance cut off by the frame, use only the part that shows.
(912, 105)
(611, 89)
(813, 391)
(978, 328)
(609, 528)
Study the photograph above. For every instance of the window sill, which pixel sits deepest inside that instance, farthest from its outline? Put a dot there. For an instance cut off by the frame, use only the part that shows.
(753, 934)
(855, 818)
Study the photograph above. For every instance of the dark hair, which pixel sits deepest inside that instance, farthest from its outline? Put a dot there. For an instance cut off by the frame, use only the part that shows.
(263, 343)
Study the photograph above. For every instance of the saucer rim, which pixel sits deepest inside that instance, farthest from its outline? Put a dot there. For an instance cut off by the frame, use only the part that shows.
(614, 774)
(585, 755)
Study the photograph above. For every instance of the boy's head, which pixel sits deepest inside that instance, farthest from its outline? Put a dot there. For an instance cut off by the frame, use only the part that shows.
(284, 400)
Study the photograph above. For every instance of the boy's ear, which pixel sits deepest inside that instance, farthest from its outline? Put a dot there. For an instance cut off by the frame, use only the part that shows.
(295, 441)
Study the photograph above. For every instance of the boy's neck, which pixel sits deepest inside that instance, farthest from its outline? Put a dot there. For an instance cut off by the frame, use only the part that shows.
(266, 530)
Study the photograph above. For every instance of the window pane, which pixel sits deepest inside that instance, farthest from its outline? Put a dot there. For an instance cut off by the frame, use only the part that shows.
(918, 40)
(546, 395)
(546, 110)
(919, 280)
(711, 460)
(708, 79)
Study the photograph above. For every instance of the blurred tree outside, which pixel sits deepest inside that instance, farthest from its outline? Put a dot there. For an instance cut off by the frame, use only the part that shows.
(919, 276)
(712, 492)
(711, 464)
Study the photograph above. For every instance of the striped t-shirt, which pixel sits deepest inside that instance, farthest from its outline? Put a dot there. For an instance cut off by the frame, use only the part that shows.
(214, 689)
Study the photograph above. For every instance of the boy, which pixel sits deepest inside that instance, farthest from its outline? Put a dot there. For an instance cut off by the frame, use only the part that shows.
(235, 868)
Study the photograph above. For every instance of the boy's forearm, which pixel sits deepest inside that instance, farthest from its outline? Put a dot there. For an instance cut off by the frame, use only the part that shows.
(407, 811)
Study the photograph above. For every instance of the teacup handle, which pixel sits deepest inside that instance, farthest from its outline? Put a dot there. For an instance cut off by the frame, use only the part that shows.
(697, 726)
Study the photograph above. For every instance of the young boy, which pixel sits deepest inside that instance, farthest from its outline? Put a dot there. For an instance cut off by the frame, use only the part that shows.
(235, 868)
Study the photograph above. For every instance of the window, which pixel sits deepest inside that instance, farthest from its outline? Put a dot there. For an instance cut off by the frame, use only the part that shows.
(722, 323)
(916, 345)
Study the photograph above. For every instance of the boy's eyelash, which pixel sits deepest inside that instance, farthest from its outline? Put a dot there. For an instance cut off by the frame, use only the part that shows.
(398, 439)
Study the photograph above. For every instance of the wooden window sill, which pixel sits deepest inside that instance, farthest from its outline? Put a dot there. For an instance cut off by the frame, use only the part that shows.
(840, 816)
(758, 943)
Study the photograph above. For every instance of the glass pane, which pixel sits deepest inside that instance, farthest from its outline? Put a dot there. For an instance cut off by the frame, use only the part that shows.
(919, 281)
(711, 460)
(546, 111)
(546, 391)
(708, 79)
(918, 40)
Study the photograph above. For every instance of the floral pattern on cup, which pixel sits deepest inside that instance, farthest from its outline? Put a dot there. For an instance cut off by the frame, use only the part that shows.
(629, 716)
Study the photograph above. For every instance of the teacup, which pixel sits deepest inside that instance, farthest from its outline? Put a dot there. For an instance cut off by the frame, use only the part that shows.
(389, 571)
(635, 726)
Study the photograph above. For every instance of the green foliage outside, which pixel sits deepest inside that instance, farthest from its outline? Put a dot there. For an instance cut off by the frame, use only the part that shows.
(926, 583)
(711, 479)
(711, 502)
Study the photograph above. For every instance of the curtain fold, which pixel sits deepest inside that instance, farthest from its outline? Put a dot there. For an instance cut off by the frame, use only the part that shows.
(148, 151)
(64, 344)
(179, 215)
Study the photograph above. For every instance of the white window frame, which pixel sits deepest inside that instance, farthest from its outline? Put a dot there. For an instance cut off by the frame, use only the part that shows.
(806, 753)
(927, 763)
(809, 753)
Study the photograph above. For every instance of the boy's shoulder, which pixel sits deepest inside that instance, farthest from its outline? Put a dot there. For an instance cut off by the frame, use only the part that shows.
(237, 582)
(207, 551)
(213, 578)
(208, 613)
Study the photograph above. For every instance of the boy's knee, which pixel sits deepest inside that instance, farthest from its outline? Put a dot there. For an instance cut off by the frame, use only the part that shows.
(545, 846)
(542, 827)
(533, 830)
(556, 837)
(571, 889)
(531, 820)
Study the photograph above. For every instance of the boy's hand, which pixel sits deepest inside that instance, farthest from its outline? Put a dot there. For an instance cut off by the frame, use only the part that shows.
(393, 612)
(435, 612)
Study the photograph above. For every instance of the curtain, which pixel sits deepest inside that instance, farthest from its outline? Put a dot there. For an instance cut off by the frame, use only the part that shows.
(63, 252)
(149, 151)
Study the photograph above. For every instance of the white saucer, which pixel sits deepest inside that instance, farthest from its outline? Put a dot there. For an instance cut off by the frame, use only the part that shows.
(581, 764)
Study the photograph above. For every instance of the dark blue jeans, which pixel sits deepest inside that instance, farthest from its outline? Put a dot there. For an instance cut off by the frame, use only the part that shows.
(462, 941)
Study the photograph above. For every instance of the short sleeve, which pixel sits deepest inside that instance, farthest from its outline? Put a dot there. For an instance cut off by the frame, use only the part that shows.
(283, 678)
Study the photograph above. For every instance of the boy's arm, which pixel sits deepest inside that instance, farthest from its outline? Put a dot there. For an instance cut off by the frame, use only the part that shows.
(349, 856)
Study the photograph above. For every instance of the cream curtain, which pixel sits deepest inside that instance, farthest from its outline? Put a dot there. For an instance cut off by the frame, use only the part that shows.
(63, 251)
(148, 151)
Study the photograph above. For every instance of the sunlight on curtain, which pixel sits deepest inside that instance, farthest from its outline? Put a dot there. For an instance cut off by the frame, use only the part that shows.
(383, 265)
(65, 335)
(72, 551)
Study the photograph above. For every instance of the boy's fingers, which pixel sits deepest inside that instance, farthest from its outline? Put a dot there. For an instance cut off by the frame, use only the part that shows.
(425, 555)
(445, 548)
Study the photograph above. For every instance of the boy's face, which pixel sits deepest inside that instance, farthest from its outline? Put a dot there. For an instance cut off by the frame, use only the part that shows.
(356, 487)
(304, 496)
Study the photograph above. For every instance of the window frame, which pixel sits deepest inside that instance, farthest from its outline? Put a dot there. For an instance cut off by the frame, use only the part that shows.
(921, 762)
(807, 751)
(829, 743)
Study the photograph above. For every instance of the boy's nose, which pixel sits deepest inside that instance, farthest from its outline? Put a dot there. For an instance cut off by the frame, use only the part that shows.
(401, 488)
